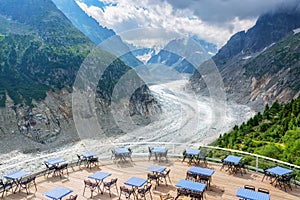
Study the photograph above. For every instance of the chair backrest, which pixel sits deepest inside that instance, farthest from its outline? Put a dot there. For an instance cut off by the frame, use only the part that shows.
(30, 179)
(1, 183)
(166, 197)
(196, 195)
(168, 172)
(126, 190)
(291, 176)
(72, 197)
(184, 153)
(113, 181)
(87, 183)
(191, 175)
(93, 159)
(183, 192)
(47, 165)
(263, 190)
(150, 150)
(62, 166)
(249, 187)
(152, 176)
(148, 188)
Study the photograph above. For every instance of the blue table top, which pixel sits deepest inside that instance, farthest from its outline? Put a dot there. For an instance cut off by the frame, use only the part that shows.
(58, 193)
(55, 161)
(193, 152)
(16, 175)
(122, 150)
(190, 185)
(88, 154)
(100, 176)
(135, 182)
(233, 159)
(279, 171)
(252, 195)
(201, 171)
(154, 168)
(159, 149)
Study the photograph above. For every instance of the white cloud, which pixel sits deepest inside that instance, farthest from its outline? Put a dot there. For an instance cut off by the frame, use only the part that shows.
(123, 16)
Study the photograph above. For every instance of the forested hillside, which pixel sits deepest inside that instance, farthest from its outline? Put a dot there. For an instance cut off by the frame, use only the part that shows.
(275, 133)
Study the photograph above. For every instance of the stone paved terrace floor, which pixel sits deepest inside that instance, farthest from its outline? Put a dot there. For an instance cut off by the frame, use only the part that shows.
(223, 186)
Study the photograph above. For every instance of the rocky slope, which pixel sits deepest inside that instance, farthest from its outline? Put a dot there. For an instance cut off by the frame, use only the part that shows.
(261, 65)
(93, 30)
(40, 55)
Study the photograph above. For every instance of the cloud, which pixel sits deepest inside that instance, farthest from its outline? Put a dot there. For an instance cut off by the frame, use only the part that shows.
(224, 11)
(212, 20)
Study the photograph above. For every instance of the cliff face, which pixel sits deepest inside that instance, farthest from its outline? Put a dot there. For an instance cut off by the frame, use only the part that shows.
(93, 30)
(260, 66)
(40, 56)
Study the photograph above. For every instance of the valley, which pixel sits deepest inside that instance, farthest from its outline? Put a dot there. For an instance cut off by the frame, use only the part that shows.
(185, 118)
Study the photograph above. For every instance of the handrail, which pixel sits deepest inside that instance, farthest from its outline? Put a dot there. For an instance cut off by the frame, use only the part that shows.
(175, 146)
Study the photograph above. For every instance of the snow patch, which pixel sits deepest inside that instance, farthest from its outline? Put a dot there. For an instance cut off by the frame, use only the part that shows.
(297, 30)
(144, 58)
(247, 57)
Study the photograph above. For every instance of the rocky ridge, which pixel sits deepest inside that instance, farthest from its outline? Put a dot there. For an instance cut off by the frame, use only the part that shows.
(260, 66)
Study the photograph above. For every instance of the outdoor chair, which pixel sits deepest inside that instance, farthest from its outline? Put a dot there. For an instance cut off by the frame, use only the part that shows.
(93, 161)
(150, 153)
(166, 197)
(202, 157)
(116, 156)
(92, 186)
(196, 195)
(130, 153)
(204, 179)
(144, 191)
(59, 170)
(182, 192)
(240, 167)
(110, 184)
(224, 164)
(49, 169)
(267, 175)
(80, 160)
(72, 197)
(5, 187)
(192, 177)
(284, 181)
(263, 190)
(25, 184)
(184, 155)
(163, 155)
(153, 177)
(249, 187)
(126, 191)
(164, 176)
(113, 154)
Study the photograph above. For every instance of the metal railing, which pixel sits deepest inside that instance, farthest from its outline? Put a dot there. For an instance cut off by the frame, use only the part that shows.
(140, 149)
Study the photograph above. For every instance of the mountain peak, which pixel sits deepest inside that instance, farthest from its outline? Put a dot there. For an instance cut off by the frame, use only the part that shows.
(269, 28)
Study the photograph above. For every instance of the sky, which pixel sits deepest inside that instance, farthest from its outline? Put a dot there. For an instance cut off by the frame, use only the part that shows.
(212, 20)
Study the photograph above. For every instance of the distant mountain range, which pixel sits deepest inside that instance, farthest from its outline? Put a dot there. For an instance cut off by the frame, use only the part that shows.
(92, 29)
(261, 65)
(184, 55)
(179, 61)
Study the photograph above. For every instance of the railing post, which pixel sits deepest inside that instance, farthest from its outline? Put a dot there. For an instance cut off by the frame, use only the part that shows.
(256, 164)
